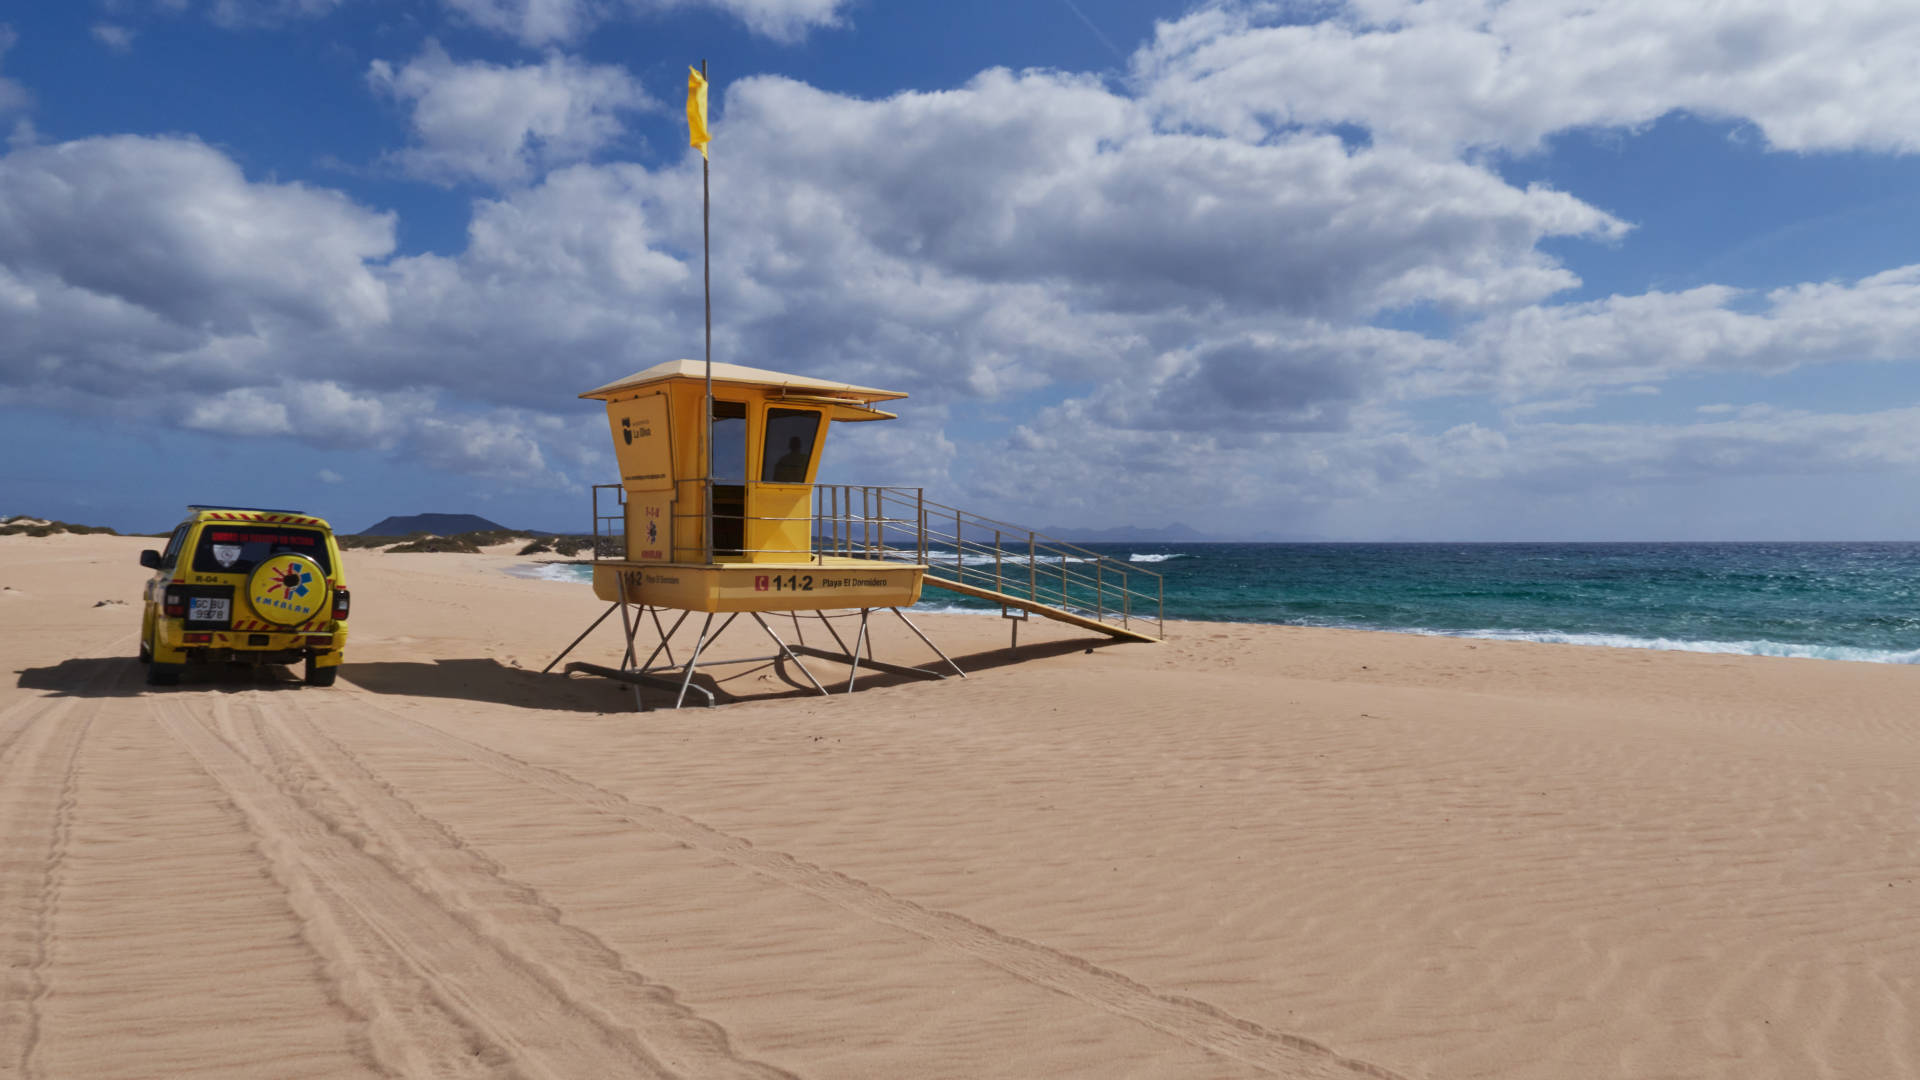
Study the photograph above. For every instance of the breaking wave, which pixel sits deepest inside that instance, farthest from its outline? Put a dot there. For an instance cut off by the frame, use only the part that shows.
(1732, 648)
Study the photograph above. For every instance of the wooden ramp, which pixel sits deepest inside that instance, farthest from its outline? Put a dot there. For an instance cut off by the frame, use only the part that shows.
(1085, 622)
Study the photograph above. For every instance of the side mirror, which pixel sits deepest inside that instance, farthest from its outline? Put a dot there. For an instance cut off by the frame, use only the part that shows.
(150, 559)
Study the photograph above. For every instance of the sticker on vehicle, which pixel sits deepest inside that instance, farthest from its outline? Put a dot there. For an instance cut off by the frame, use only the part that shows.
(287, 589)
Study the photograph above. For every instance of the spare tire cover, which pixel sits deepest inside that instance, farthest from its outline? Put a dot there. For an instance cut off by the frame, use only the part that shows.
(287, 589)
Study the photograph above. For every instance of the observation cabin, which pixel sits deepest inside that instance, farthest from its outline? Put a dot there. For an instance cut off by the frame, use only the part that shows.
(717, 493)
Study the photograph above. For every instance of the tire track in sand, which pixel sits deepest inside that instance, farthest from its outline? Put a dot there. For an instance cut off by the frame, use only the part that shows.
(338, 787)
(39, 755)
(1190, 1020)
(417, 956)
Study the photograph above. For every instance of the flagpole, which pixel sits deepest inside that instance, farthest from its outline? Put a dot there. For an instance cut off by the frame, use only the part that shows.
(706, 269)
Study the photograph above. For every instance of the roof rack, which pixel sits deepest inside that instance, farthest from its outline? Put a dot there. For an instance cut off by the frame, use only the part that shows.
(255, 509)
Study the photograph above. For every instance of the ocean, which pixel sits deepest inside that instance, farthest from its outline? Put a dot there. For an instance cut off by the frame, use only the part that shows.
(1840, 601)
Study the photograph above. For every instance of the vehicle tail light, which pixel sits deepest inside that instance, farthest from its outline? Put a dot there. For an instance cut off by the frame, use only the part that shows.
(197, 639)
(320, 641)
(174, 604)
(341, 601)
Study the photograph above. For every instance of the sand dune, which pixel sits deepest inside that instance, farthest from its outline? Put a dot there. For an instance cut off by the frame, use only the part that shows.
(1251, 851)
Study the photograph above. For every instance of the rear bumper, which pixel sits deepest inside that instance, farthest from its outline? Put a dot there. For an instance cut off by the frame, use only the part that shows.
(171, 645)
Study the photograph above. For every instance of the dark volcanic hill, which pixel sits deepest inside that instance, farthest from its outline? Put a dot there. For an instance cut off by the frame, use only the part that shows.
(437, 524)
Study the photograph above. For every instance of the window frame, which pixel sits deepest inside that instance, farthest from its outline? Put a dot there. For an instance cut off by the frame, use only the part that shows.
(768, 459)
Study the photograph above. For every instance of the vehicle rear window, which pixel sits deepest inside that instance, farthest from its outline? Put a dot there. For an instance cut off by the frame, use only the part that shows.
(237, 550)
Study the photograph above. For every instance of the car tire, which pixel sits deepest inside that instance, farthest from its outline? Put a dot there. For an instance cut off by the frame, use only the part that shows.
(164, 674)
(320, 676)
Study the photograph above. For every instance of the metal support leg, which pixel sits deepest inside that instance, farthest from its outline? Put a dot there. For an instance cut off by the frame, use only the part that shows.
(581, 638)
(626, 658)
(648, 666)
(929, 643)
(687, 679)
(655, 612)
(788, 652)
(836, 634)
(854, 669)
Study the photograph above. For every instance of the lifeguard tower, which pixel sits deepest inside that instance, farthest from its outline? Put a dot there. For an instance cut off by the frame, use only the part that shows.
(723, 518)
(717, 518)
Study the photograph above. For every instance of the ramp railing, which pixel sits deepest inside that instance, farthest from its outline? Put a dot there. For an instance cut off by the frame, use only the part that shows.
(983, 554)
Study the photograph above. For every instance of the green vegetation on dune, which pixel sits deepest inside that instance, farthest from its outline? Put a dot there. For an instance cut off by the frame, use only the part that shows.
(471, 542)
(457, 544)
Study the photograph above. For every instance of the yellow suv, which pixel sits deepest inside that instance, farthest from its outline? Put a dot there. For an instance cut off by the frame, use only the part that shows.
(247, 585)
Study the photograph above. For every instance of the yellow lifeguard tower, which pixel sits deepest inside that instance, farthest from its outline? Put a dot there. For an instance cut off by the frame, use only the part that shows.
(718, 517)
(717, 513)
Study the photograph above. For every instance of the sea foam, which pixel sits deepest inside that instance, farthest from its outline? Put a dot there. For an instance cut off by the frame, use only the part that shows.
(1732, 648)
(553, 571)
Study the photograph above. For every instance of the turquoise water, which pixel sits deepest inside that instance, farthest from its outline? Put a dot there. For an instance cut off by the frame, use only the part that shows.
(1846, 601)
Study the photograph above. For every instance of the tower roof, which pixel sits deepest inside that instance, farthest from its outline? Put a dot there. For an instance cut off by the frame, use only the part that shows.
(738, 374)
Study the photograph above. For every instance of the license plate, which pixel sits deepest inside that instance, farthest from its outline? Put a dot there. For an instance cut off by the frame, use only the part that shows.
(208, 609)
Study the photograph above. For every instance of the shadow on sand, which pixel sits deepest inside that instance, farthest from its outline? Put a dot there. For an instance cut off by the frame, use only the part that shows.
(477, 679)
(488, 680)
(123, 676)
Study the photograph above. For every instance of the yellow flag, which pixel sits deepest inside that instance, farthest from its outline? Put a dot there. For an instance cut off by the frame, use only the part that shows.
(697, 110)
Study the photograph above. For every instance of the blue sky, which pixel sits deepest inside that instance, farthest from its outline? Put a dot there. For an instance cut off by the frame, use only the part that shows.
(1364, 270)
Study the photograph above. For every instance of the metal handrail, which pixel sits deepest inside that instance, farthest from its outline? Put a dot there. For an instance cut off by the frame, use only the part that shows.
(900, 522)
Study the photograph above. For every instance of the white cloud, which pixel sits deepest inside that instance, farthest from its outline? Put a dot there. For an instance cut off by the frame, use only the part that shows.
(782, 20)
(1544, 351)
(535, 22)
(505, 125)
(13, 96)
(504, 446)
(1032, 227)
(320, 412)
(117, 39)
(328, 476)
(1763, 439)
(171, 227)
(501, 445)
(1467, 481)
(551, 22)
(246, 13)
(1466, 73)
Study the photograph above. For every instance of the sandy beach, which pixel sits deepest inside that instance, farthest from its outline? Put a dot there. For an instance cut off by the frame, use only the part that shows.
(1249, 851)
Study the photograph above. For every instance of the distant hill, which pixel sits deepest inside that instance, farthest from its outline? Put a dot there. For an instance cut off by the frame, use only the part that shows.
(437, 524)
